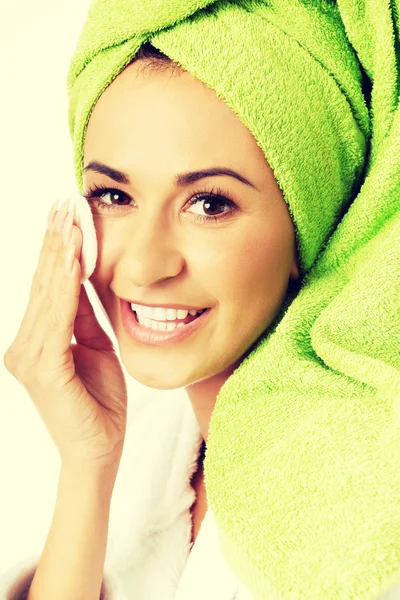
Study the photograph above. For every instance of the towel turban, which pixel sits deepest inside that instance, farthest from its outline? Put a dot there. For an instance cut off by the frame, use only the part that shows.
(316, 143)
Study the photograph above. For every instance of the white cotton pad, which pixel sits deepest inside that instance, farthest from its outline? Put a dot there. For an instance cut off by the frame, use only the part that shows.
(83, 218)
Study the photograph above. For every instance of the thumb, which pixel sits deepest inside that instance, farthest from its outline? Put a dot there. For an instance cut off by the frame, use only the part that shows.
(87, 329)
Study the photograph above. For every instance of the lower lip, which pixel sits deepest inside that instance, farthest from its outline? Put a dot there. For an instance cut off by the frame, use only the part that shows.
(144, 335)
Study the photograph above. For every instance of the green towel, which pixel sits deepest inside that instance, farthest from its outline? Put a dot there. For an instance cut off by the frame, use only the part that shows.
(302, 466)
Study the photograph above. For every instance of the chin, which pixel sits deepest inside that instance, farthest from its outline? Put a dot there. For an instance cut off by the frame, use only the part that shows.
(166, 380)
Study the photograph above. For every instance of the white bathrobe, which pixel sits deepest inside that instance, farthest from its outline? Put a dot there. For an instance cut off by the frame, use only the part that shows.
(149, 555)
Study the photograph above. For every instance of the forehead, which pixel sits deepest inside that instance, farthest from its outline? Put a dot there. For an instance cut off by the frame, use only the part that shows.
(165, 113)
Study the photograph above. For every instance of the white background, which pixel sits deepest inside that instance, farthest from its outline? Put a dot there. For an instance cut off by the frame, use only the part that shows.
(37, 40)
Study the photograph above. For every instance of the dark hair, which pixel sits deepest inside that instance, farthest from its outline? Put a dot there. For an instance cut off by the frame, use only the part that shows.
(154, 59)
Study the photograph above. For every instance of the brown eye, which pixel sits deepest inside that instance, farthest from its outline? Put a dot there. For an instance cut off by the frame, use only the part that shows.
(116, 197)
(214, 202)
(212, 205)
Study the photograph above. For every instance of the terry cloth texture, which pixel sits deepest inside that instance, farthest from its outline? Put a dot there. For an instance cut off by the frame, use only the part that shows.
(302, 467)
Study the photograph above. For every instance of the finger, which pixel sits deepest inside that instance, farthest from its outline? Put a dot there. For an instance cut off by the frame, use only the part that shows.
(45, 310)
(73, 312)
(66, 289)
(39, 298)
(86, 328)
(38, 281)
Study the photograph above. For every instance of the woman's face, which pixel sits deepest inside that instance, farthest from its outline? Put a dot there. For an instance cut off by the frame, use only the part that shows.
(157, 248)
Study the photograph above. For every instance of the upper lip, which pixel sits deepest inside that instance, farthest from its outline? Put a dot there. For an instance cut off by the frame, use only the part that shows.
(177, 306)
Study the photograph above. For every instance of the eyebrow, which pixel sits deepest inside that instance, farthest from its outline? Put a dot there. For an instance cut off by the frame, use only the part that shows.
(181, 179)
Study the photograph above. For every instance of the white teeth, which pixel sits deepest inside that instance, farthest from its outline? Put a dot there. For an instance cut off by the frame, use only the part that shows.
(162, 314)
(171, 314)
(158, 326)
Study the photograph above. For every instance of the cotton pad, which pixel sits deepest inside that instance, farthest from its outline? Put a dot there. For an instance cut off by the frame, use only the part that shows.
(83, 218)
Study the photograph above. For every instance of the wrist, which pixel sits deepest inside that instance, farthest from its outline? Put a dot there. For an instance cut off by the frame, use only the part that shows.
(95, 480)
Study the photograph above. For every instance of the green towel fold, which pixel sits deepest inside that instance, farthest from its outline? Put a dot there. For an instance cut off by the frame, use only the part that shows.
(302, 466)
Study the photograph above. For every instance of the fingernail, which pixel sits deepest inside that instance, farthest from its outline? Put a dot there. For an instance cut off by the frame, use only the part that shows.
(61, 214)
(67, 229)
(52, 212)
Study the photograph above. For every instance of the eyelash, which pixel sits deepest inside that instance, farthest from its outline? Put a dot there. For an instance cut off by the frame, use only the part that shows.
(215, 194)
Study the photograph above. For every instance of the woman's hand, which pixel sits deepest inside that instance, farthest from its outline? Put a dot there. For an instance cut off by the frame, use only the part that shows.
(79, 389)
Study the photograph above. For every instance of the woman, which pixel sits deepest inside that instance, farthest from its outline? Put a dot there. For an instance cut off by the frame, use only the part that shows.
(163, 243)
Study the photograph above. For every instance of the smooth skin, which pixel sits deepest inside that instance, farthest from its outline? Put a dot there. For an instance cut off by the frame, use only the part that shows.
(152, 249)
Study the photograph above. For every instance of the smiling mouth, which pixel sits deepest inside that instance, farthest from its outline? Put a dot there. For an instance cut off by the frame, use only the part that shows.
(168, 325)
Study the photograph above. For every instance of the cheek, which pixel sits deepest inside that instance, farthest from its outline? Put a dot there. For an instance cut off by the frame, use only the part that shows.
(254, 266)
(109, 246)
(246, 261)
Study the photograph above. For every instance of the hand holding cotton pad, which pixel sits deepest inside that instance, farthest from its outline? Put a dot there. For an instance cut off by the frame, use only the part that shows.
(83, 218)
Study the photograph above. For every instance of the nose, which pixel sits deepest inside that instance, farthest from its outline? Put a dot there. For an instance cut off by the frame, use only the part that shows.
(152, 253)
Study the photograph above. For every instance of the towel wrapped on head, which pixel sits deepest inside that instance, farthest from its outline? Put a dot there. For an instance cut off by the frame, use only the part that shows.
(302, 466)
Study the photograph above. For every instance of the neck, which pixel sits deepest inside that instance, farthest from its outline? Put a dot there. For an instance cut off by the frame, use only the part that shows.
(203, 395)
